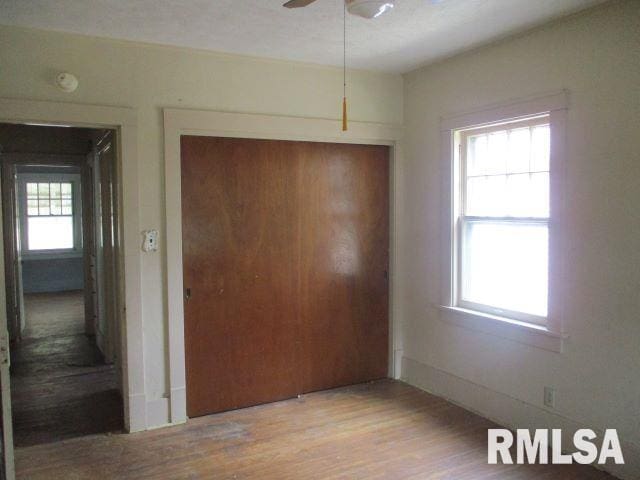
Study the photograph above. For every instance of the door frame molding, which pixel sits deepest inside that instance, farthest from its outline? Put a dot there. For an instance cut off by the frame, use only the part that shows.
(178, 122)
(124, 121)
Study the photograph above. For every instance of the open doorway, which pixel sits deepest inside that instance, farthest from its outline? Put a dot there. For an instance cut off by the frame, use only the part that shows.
(60, 238)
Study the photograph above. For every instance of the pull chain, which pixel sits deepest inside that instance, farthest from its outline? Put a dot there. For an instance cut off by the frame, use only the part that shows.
(344, 67)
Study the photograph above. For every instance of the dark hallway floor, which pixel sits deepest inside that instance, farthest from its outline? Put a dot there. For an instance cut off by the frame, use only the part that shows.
(60, 387)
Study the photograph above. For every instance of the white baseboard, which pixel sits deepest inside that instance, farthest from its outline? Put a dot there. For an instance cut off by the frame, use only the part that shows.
(507, 411)
(396, 364)
(178, 405)
(158, 413)
(136, 417)
(155, 413)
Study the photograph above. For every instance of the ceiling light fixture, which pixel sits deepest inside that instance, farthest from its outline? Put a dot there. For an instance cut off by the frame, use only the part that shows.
(368, 8)
(362, 8)
(67, 82)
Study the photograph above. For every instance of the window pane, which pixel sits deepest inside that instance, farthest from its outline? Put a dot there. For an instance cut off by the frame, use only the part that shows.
(56, 207)
(519, 150)
(50, 233)
(32, 207)
(54, 190)
(507, 173)
(43, 190)
(66, 190)
(498, 150)
(32, 190)
(44, 207)
(477, 155)
(487, 154)
(540, 148)
(505, 266)
(67, 207)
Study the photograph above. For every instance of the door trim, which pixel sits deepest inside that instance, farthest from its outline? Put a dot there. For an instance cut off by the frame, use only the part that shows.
(124, 121)
(178, 122)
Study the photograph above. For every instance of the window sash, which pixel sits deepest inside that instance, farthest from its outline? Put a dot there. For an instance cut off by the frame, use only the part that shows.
(462, 223)
(46, 201)
(56, 233)
(461, 220)
(537, 121)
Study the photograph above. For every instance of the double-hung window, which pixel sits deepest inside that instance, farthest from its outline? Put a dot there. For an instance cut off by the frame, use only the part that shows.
(50, 213)
(503, 219)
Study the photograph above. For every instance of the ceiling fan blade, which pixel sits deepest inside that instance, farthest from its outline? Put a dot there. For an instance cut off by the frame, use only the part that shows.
(298, 3)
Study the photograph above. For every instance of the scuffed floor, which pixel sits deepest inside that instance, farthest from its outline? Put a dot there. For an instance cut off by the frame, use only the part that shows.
(60, 387)
(381, 431)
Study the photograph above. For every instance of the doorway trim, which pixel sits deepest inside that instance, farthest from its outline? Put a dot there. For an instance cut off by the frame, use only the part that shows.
(178, 122)
(124, 121)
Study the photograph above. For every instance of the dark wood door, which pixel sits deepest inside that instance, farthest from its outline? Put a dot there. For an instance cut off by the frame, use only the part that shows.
(285, 254)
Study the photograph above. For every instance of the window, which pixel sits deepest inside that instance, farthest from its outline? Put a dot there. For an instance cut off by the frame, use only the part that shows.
(50, 213)
(502, 224)
(502, 220)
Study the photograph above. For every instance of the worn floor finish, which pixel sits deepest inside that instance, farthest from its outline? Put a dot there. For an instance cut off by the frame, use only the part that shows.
(384, 430)
(60, 387)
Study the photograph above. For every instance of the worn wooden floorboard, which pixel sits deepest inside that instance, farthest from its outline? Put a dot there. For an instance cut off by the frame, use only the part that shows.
(382, 430)
(60, 387)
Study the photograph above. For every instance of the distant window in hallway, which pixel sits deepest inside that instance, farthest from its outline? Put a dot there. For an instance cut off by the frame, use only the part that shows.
(49, 211)
(50, 215)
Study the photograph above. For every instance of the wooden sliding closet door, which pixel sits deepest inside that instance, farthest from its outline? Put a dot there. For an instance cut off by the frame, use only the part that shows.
(239, 236)
(285, 254)
(344, 244)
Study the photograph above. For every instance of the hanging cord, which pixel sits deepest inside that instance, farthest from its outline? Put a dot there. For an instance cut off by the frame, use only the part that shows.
(344, 47)
(344, 66)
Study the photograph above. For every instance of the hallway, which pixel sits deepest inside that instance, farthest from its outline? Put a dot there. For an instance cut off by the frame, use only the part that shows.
(60, 386)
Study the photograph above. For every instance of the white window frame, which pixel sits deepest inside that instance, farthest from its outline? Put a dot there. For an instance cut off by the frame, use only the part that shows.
(74, 179)
(547, 333)
(461, 219)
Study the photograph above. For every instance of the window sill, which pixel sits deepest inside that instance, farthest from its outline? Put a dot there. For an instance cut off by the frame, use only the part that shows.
(521, 332)
(51, 255)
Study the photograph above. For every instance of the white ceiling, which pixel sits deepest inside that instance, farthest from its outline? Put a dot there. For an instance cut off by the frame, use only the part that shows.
(415, 33)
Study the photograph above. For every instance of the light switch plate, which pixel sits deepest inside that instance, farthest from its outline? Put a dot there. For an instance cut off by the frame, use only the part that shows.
(150, 243)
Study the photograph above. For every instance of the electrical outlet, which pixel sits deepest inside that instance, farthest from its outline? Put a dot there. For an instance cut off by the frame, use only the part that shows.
(550, 397)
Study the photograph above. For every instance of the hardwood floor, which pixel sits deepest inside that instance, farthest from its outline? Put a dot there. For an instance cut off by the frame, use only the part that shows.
(60, 387)
(382, 430)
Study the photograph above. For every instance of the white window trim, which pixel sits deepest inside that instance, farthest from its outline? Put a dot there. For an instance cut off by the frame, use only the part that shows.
(75, 179)
(551, 335)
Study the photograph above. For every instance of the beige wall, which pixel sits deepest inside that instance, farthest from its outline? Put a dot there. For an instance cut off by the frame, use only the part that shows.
(596, 56)
(151, 77)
